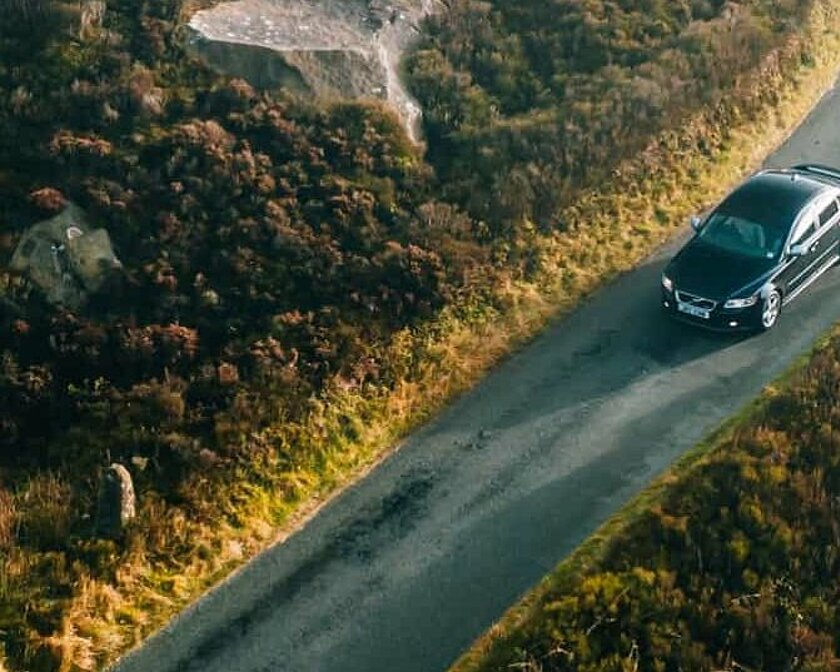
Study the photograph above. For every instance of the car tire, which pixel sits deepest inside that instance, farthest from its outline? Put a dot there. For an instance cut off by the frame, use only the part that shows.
(771, 308)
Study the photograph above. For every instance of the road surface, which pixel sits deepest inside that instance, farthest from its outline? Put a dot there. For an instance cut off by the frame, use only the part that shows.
(402, 571)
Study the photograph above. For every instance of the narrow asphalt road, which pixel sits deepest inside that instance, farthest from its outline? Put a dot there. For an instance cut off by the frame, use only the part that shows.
(404, 570)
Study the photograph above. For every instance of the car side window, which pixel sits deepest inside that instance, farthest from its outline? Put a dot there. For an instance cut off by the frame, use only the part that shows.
(804, 229)
(829, 212)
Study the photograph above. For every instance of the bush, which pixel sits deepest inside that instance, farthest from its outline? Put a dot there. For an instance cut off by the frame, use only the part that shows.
(528, 102)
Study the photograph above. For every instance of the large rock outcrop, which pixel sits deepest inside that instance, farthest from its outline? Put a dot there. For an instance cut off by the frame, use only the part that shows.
(327, 48)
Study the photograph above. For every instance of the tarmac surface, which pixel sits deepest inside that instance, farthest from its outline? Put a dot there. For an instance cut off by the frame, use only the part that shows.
(406, 568)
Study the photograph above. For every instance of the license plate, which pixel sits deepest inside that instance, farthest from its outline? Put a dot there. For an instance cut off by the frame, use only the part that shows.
(693, 310)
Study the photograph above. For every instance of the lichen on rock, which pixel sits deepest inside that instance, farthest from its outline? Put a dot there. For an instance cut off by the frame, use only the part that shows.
(66, 258)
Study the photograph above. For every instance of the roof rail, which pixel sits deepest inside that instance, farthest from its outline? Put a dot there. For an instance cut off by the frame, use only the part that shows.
(819, 169)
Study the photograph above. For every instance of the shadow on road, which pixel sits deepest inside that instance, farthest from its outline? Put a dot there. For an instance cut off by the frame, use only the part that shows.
(616, 338)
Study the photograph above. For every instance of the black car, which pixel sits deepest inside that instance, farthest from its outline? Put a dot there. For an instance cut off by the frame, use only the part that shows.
(756, 251)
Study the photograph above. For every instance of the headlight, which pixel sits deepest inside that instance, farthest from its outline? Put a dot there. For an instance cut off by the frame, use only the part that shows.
(667, 283)
(741, 303)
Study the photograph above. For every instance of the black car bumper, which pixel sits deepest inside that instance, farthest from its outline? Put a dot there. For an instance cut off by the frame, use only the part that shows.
(720, 319)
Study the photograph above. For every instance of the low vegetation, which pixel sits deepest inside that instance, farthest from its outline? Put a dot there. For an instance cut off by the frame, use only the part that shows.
(299, 285)
(729, 562)
(527, 103)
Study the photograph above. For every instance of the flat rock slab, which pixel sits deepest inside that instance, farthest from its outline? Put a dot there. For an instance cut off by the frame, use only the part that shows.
(288, 24)
(348, 49)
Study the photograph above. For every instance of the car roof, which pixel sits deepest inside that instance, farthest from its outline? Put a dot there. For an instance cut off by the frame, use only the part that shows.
(773, 197)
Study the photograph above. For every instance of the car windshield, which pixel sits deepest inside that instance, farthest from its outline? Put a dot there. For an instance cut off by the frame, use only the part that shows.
(742, 236)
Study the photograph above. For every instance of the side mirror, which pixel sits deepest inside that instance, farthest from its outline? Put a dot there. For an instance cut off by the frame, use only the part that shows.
(696, 222)
(797, 250)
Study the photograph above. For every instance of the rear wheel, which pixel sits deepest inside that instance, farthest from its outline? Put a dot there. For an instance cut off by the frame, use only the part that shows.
(771, 308)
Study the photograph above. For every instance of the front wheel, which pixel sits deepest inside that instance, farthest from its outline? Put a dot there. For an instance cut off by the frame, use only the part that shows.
(770, 310)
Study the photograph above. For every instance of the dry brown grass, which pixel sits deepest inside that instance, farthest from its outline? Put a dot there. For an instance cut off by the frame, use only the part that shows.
(8, 520)
(46, 512)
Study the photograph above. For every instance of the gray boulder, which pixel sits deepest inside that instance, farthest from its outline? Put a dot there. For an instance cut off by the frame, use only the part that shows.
(116, 505)
(66, 258)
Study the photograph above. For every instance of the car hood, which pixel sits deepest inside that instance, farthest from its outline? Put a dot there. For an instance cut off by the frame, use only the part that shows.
(714, 273)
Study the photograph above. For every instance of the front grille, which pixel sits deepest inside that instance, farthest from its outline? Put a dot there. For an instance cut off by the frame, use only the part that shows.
(694, 300)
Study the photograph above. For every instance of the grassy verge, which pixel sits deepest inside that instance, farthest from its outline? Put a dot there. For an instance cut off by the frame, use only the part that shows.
(606, 232)
(770, 448)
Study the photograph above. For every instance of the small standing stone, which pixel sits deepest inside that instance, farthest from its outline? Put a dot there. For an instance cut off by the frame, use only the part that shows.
(116, 505)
